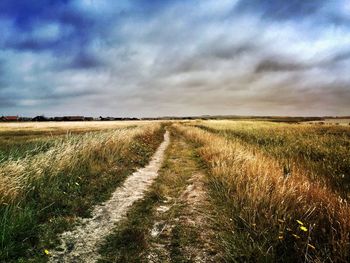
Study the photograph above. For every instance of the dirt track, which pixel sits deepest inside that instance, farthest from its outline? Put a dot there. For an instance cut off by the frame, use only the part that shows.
(82, 243)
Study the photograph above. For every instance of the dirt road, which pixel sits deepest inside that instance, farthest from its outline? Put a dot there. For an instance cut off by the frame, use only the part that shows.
(82, 243)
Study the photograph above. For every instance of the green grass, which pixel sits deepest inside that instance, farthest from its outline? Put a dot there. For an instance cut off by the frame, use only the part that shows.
(17, 144)
(15, 150)
(322, 151)
(257, 208)
(131, 240)
(52, 203)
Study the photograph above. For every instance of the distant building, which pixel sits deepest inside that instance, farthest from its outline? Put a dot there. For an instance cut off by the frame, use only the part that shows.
(9, 118)
(25, 119)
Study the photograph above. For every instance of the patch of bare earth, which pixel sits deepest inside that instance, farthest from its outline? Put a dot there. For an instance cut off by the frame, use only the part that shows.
(196, 215)
(82, 243)
(182, 231)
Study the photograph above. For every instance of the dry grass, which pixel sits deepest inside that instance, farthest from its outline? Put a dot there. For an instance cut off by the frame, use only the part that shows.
(259, 208)
(66, 126)
(261, 213)
(332, 122)
(27, 138)
(16, 176)
(320, 151)
(42, 193)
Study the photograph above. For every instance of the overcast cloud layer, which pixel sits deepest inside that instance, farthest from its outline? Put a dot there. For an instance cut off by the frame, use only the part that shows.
(171, 57)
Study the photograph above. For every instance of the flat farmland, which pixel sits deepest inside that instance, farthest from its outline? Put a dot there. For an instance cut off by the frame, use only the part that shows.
(179, 191)
(333, 121)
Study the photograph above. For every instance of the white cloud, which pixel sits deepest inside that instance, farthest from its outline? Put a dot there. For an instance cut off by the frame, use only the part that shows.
(181, 62)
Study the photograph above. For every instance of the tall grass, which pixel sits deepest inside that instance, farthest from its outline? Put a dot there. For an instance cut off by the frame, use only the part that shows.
(41, 194)
(321, 151)
(29, 138)
(16, 149)
(20, 128)
(263, 215)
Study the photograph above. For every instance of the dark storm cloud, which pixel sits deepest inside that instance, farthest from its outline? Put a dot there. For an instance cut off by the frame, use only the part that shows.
(3, 77)
(174, 57)
(276, 65)
(6, 102)
(276, 9)
(24, 12)
(75, 28)
(340, 56)
(230, 52)
(66, 95)
(338, 19)
(2, 68)
(85, 61)
(279, 64)
(31, 45)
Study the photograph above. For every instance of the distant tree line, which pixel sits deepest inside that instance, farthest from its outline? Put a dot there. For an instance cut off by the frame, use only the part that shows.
(203, 117)
(42, 118)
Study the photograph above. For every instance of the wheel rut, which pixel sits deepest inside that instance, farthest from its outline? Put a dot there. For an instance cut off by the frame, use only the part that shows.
(82, 243)
(182, 230)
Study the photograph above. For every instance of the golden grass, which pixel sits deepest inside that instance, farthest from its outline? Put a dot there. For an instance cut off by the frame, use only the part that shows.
(332, 122)
(259, 202)
(16, 175)
(74, 126)
(45, 185)
(320, 151)
(71, 124)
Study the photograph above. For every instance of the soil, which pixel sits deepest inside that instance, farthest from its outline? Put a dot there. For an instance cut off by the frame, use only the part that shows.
(82, 243)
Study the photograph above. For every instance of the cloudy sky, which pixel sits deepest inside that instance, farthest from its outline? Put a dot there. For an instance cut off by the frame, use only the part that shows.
(174, 57)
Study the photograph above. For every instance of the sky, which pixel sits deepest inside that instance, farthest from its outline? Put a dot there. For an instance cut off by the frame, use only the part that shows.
(143, 58)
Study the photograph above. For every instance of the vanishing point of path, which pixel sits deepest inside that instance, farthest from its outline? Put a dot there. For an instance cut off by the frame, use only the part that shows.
(82, 243)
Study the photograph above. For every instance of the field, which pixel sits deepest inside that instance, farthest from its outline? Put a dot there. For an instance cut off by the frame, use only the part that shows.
(210, 191)
(333, 121)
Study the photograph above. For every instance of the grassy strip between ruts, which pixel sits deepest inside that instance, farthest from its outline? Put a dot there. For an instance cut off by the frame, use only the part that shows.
(83, 176)
(132, 240)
